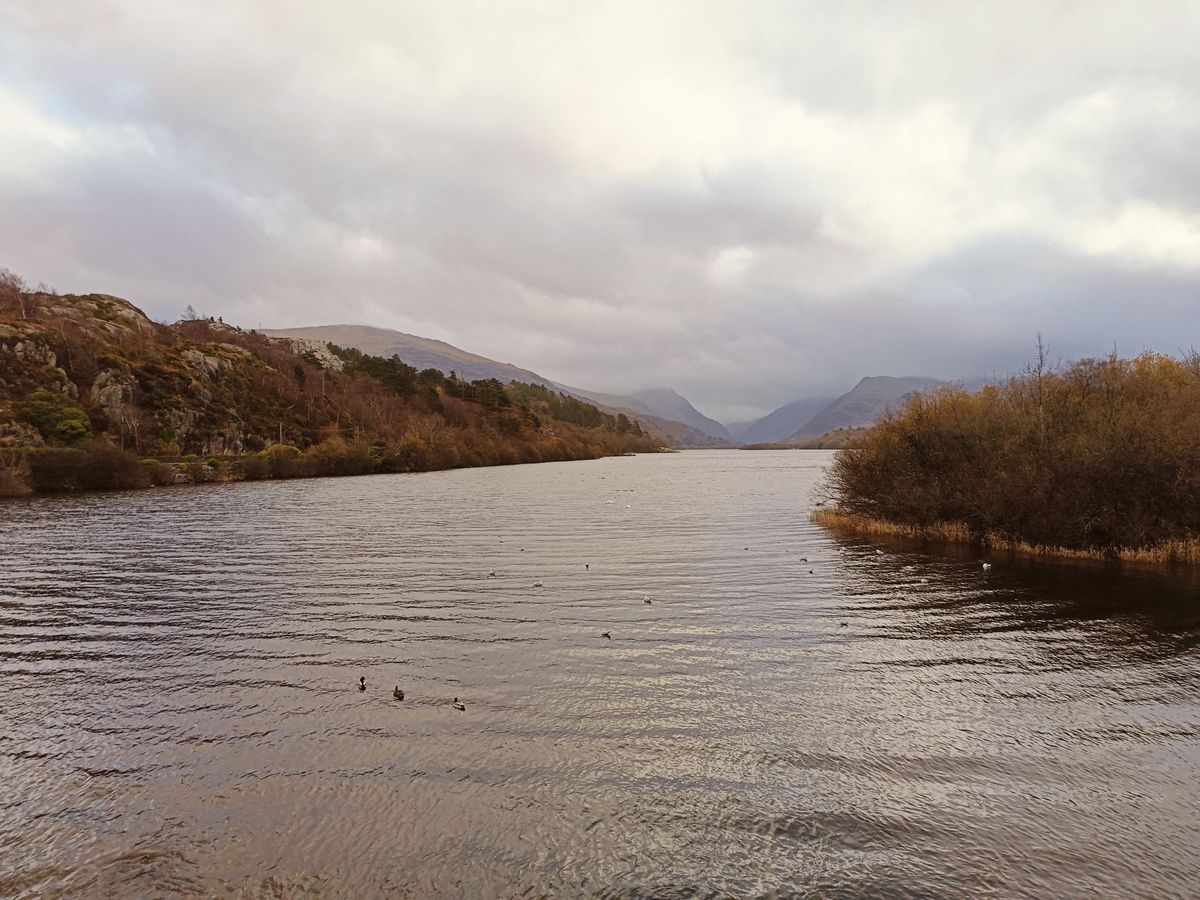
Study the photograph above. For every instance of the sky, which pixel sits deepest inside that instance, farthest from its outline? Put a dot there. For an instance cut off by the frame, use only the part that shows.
(749, 202)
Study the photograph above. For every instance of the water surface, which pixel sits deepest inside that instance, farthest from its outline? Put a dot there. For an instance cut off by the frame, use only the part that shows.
(178, 712)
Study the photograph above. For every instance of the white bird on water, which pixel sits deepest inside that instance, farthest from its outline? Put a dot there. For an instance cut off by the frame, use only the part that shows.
(987, 566)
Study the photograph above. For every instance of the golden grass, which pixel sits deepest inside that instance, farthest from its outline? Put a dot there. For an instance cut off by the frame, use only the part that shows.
(1186, 551)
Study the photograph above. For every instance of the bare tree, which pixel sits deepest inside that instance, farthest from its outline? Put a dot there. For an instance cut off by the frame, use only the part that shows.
(12, 292)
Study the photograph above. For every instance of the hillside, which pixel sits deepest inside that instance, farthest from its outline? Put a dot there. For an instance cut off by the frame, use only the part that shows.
(419, 352)
(864, 404)
(666, 404)
(426, 353)
(91, 374)
(782, 423)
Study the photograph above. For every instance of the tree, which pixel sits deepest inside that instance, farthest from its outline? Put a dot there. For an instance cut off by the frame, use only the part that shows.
(57, 417)
(12, 293)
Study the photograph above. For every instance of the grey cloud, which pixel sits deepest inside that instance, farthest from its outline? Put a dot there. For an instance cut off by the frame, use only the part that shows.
(749, 205)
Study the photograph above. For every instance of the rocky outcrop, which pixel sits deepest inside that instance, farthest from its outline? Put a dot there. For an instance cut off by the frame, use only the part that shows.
(316, 351)
(114, 392)
(35, 353)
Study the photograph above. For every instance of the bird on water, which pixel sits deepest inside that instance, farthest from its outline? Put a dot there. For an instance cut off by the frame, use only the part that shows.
(397, 693)
(459, 705)
(606, 634)
(987, 566)
(362, 682)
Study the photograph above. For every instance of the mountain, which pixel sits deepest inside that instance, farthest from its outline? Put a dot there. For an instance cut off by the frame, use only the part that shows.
(427, 353)
(780, 424)
(419, 352)
(666, 404)
(862, 405)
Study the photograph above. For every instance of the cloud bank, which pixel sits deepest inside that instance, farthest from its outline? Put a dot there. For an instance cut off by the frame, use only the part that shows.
(749, 202)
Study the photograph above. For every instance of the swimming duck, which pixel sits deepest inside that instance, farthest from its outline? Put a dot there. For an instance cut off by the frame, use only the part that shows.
(606, 634)
(459, 705)
(397, 693)
(537, 584)
(492, 573)
(362, 682)
(987, 566)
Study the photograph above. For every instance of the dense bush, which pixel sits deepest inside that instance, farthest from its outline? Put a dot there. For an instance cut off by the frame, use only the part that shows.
(1103, 454)
(94, 467)
(57, 417)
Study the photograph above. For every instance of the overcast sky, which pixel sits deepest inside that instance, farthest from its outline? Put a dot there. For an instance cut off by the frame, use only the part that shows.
(749, 202)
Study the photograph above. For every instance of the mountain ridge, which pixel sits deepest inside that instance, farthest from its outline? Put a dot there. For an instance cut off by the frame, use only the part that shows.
(862, 405)
(431, 353)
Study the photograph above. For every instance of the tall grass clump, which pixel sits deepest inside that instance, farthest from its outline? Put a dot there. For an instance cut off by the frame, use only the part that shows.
(1099, 458)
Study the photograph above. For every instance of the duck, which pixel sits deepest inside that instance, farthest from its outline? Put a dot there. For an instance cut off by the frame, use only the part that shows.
(537, 584)
(647, 600)
(397, 693)
(880, 552)
(606, 634)
(492, 573)
(586, 566)
(459, 705)
(986, 566)
(362, 682)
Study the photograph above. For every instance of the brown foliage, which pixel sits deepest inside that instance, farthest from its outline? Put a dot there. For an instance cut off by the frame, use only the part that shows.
(96, 467)
(1104, 454)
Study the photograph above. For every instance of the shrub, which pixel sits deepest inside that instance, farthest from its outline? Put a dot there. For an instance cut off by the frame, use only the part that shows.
(96, 467)
(15, 477)
(59, 418)
(1103, 454)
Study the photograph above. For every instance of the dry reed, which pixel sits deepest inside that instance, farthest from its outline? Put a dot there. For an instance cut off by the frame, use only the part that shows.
(1163, 553)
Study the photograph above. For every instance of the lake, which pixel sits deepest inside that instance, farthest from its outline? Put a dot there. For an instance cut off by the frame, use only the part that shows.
(794, 713)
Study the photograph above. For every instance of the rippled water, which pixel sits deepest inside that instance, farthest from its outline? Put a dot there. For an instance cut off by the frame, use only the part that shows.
(179, 711)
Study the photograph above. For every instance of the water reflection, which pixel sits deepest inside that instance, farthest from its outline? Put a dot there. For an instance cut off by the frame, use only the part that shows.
(177, 684)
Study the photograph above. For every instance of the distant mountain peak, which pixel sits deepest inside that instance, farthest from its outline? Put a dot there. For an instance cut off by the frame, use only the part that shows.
(669, 404)
(863, 404)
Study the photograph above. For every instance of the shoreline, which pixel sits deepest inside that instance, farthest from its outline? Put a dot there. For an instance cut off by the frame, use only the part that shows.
(1172, 552)
(200, 472)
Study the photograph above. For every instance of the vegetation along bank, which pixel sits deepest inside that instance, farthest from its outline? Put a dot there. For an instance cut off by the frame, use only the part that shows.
(93, 394)
(1098, 459)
